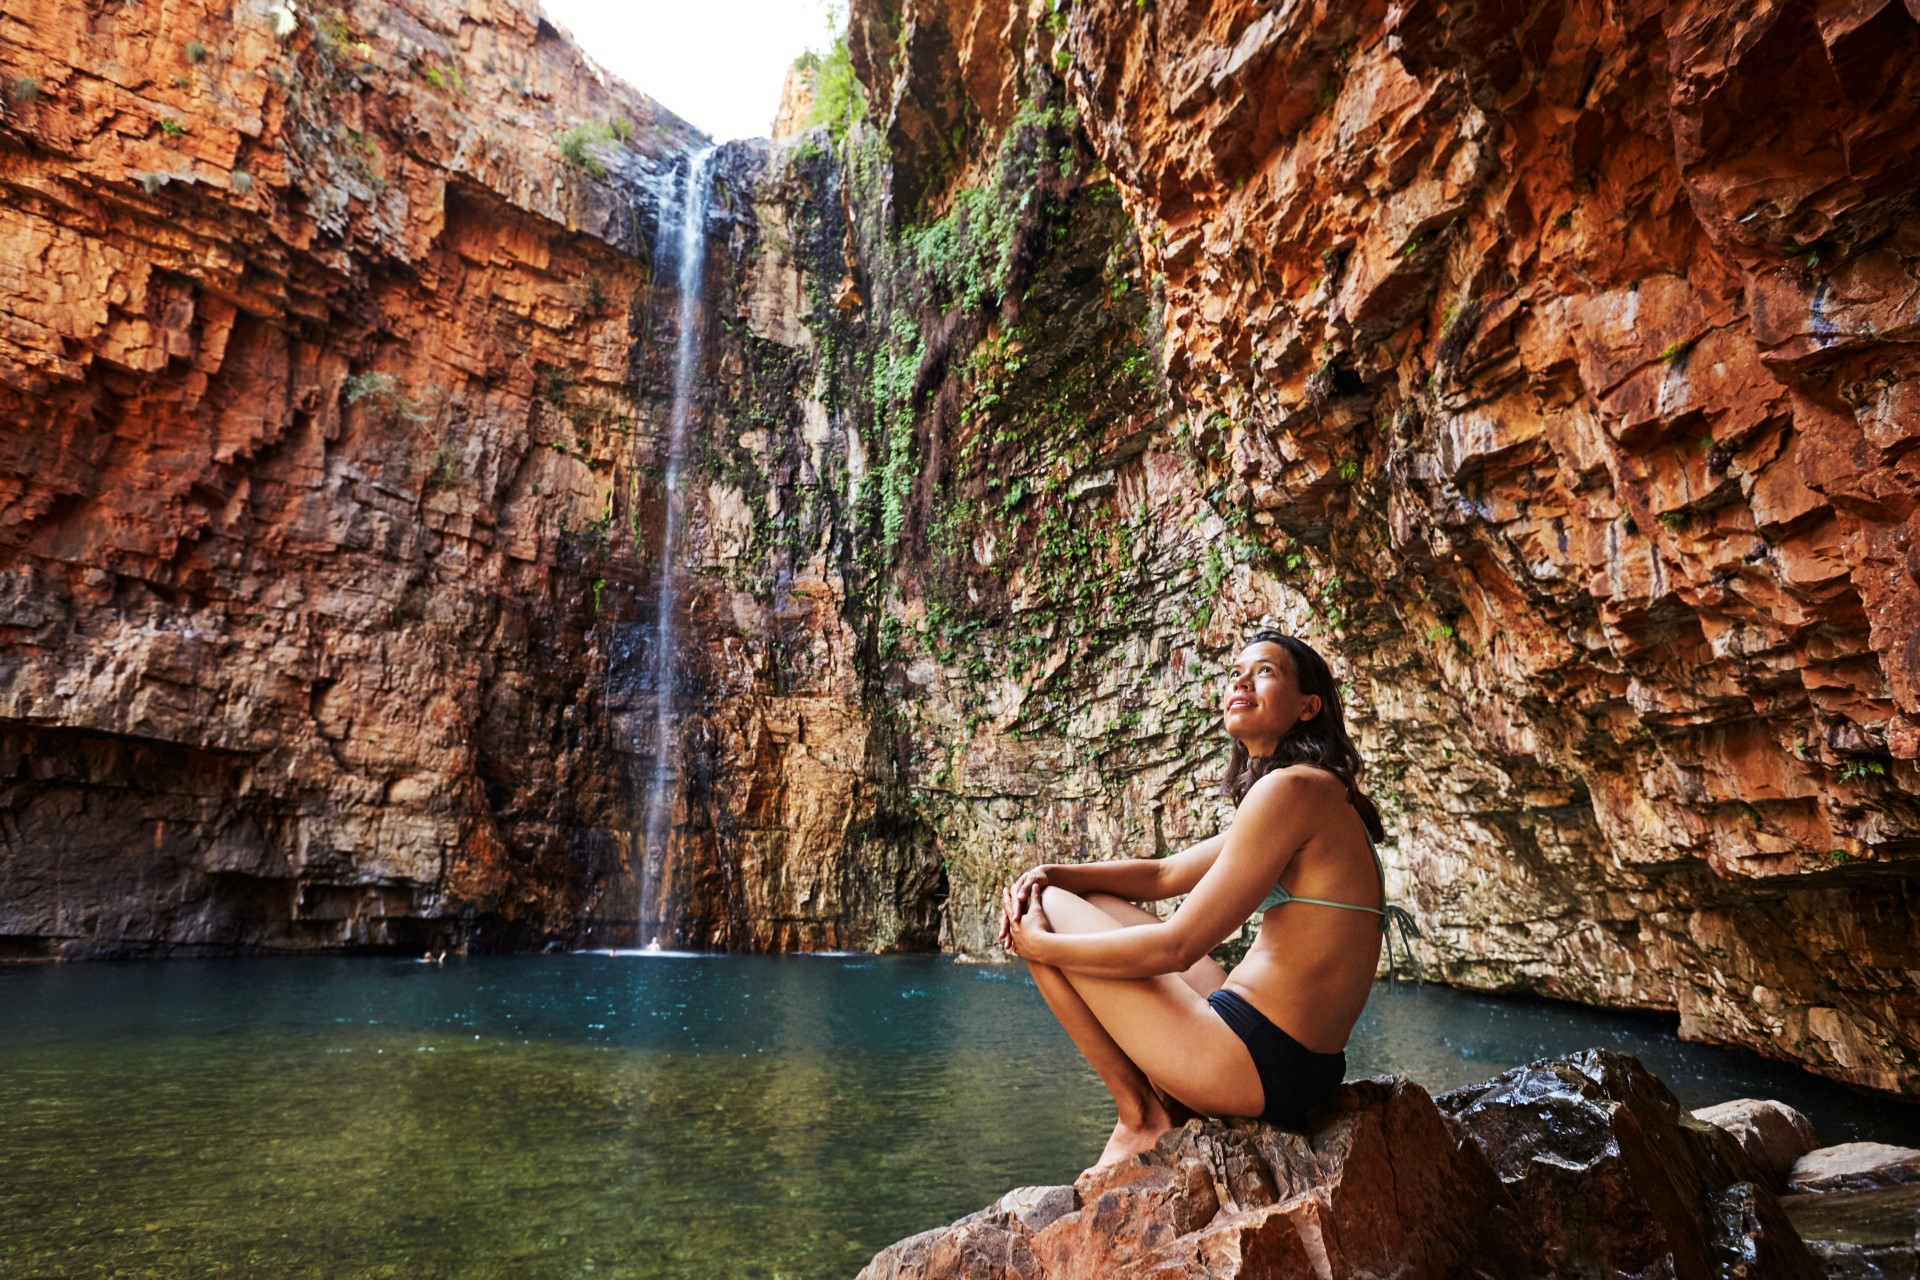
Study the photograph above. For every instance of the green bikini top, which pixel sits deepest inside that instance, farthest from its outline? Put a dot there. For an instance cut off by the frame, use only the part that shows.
(1390, 915)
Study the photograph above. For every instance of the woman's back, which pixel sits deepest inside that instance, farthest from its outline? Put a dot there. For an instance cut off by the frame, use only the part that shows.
(1311, 966)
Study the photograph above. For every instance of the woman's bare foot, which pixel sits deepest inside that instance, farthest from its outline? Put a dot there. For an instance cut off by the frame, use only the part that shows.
(1132, 1139)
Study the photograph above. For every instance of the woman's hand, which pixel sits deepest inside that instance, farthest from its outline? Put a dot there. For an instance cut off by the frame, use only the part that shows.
(1015, 899)
(1022, 923)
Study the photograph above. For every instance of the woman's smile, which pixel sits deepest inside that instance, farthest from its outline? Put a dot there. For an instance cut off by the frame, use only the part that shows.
(1263, 699)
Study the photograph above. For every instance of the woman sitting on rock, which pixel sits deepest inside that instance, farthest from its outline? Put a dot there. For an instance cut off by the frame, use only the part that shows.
(1168, 1030)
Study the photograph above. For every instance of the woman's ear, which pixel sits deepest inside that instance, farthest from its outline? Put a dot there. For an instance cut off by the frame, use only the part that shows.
(1311, 708)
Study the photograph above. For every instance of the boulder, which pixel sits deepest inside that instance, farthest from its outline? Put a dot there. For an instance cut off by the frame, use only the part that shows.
(1855, 1166)
(1772, 1134)
(1584, 1166)
(1617, 1179)
(1380, 1186)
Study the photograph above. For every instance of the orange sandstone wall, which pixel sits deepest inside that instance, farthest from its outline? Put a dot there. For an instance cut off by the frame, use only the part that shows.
(1564, 353)
(313, 352)
(334, 381)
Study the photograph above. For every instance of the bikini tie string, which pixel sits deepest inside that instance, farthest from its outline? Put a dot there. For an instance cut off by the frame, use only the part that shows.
(1393, 917)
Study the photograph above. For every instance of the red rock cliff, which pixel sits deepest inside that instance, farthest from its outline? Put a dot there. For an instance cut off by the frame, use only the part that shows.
(335, 380)
(1564, 355)
(315, 351)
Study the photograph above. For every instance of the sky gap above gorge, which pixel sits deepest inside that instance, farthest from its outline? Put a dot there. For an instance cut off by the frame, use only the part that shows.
(717, 65)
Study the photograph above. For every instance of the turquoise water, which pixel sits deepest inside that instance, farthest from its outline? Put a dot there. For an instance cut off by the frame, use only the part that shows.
(612, 1116)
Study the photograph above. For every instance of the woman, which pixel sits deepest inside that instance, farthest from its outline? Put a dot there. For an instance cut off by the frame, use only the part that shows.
(1170, 1032)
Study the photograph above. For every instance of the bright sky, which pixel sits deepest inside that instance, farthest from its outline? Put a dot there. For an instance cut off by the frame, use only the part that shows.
(717, 64)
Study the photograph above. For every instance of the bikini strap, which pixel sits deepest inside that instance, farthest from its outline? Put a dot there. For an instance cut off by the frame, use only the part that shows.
(1400, 918)
(1392, 918)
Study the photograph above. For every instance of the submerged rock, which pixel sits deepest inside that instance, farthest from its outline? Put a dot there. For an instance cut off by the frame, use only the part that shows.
(1861, 1235)
(1855, 1166)
(1582, 1166)
(1858, 1209)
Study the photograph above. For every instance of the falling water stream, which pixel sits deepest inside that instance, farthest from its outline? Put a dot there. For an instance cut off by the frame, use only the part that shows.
(690, 273)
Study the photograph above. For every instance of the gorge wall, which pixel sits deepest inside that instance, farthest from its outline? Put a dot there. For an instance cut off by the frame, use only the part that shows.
(1548, 364)
(339, 374)
(1574, 343)
(316, 376)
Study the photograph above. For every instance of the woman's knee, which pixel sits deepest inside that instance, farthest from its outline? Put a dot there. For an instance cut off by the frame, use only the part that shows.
(1068, 912)
(1056, 901)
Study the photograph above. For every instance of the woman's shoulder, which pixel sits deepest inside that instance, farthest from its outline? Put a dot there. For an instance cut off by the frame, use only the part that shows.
(1297, 782)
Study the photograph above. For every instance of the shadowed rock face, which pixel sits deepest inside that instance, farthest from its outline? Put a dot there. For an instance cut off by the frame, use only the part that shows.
(1574, 1167)
(1563, 355)
(1615, 1179)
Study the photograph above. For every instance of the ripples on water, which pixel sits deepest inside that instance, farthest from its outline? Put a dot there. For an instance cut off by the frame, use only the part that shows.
(630, 1116)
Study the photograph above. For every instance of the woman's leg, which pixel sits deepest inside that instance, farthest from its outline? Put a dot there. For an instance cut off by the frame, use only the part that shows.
(1144, 1113)
(1146, 1037)
(1206, 976)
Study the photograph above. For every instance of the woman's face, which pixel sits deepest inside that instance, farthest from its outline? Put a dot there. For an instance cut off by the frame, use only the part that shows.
(1263, 699)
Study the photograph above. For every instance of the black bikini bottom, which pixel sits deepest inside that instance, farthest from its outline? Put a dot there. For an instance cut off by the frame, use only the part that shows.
(1295, 1078)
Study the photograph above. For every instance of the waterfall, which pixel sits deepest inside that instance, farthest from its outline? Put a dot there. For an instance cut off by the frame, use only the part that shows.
(690, 268)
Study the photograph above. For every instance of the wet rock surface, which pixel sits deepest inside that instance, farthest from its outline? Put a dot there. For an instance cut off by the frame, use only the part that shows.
(1616, 1177)
(1860, 1235)
(1571, 1167)
(1855, 1166)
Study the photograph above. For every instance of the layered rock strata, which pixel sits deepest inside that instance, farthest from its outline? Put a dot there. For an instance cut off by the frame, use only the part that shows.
(332, 535)
(317, 370)
(1563, 355)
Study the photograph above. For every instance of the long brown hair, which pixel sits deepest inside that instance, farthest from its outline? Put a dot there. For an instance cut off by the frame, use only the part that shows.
(1320, 740)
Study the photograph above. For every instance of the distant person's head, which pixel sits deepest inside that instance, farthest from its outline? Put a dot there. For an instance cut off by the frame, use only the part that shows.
(1281, 707)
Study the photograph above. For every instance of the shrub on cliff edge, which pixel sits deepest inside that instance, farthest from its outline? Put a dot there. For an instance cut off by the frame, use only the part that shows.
(838, 101)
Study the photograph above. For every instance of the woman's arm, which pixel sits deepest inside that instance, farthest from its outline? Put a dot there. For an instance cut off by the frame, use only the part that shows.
(1273, 821)
(1135, 879)
(1138, 879)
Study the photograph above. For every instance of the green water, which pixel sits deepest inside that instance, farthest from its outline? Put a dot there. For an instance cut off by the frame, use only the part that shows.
(607, 1116)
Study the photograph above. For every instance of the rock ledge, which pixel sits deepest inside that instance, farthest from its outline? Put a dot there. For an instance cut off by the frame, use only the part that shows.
(1581, 1166)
